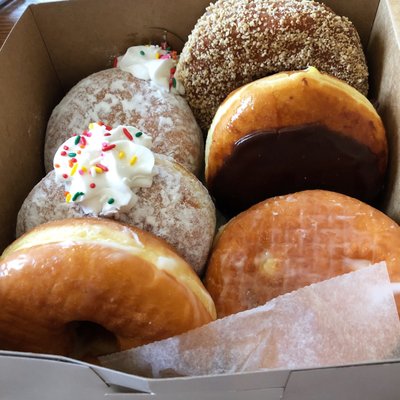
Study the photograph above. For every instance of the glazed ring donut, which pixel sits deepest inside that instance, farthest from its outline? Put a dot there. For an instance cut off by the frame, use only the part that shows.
(176, 207)
(238, 41)
(294, 131)
(116, 97)
(289, 242)
(67, 274)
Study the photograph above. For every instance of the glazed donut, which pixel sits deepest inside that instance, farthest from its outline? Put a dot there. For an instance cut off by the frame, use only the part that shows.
(65, 275)
(289, 242)
(294, 131)
(116, 97)
(238, 41)
(173, 204)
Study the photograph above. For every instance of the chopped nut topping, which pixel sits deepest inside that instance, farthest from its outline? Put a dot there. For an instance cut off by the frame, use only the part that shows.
(238, 41)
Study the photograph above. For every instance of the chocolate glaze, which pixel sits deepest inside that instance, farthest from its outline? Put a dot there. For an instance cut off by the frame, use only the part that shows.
(287, 160)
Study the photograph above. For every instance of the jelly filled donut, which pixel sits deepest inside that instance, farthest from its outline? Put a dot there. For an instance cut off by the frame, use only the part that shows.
(127, 286)
(117, 97)
(294, 131)
(117, 176)
(238, 41)
(291, 241)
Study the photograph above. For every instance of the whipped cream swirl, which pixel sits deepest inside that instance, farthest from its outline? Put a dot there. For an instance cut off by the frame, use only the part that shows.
(152, 63)
(101, 168)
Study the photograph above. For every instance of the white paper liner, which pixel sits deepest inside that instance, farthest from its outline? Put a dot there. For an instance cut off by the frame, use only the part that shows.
(348, 319)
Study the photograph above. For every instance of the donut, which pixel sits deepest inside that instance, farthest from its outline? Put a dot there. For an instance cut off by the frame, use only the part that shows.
(177, 208)
(119, 285)
(288, 242)
(294, 131)
(116, 97)
(238, 41)
(173, 204)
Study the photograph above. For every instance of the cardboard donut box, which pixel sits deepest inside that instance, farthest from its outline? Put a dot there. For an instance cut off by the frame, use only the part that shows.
(56, 44)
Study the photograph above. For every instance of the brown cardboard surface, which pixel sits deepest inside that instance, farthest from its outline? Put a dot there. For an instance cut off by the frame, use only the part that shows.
(28, 89)
(85, 36)
(78, 26)
(384, 60)
(51, 41)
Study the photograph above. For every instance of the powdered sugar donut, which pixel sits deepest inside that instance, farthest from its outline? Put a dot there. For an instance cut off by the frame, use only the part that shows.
(113, 174)
(116, 97)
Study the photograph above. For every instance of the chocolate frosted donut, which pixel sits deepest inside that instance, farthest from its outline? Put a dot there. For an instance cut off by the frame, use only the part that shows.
(116, 97)
(238, 41)
(294, 131)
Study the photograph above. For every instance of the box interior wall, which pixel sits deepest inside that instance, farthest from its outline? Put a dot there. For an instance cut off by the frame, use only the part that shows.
(56, 44)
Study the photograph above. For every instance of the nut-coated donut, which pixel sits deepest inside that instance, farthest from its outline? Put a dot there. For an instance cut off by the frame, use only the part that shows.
(238, 41)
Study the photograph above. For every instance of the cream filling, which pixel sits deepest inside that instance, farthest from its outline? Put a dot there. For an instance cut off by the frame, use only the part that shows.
(125, 240)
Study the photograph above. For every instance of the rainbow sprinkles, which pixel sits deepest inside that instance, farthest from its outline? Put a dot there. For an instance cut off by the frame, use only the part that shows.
(102, 167)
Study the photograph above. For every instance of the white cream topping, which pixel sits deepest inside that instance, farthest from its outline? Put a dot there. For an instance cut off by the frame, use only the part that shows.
(152, 63)
(102, 167)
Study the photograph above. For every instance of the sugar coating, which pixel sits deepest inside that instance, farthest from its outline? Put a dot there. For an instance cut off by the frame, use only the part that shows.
(115, 97)
(238, 41)
(177, 208)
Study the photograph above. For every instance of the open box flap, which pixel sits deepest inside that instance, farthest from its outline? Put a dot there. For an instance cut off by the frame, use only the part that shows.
(79, 380)
(231, 382)
(49, 377)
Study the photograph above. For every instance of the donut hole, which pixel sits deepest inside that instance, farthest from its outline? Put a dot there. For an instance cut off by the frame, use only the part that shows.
(90, 340)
